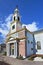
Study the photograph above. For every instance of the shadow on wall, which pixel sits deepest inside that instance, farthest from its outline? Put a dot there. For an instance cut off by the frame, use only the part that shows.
(34, 45)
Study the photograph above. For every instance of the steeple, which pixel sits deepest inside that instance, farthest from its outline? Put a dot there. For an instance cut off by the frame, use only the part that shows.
(16, 10)
(16, 16)
(16, 21)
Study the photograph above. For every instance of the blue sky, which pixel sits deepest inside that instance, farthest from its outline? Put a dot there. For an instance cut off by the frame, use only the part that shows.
(30, 10)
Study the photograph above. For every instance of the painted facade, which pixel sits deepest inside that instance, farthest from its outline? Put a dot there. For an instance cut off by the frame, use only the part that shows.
(19, 40)
(39, 40)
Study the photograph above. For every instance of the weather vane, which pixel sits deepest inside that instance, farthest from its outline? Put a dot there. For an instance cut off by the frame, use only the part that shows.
(16, 6)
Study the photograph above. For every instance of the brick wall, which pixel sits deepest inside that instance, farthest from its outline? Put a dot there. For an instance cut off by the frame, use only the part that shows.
(21, 34)
(22, 48)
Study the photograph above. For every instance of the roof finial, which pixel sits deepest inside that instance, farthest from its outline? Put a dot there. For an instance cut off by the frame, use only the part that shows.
(16, 9)
(17, 6)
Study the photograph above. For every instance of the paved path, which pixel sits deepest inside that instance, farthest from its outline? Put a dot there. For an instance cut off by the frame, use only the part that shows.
(38, 59)
(3, 63)
(13, 61)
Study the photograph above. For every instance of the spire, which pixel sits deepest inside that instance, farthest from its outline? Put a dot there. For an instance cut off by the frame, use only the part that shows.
(17, 6)
(16, 9)
(17, 16)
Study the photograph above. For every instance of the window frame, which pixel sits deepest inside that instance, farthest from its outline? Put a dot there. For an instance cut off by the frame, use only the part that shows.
(28, 41)
(14, 18)
(13, 27)
(31, 42)
(38, 45)
(31, 48)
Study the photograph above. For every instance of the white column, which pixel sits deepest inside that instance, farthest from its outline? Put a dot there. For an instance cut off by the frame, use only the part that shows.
(8, 49)
(15, 49)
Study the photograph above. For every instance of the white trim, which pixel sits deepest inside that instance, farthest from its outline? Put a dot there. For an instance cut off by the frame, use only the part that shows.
(13, 56)
(24, 56)
(12, 41)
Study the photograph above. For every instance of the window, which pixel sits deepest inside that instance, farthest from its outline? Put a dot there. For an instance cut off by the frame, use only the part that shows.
(38, 45)
(31, 48)
(14, 18)
(18, 19)
(13, 27)
(12, 51)
(31, 42)
(28, 41)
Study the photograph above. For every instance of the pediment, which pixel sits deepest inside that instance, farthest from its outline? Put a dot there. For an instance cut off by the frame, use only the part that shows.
(10, 38)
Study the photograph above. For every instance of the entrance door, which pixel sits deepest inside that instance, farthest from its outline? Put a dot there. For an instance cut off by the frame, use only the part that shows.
(12, 49)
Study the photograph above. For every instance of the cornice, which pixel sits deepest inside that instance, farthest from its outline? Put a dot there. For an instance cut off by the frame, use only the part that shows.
(15, 39)
(19, 31)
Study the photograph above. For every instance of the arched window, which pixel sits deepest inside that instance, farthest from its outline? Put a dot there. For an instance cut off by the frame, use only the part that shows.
(18, 18)
(28, 41)
(14, 18)
(38, 45)
(13, 27)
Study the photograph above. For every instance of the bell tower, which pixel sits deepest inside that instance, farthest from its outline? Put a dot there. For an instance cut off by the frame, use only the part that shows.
(16, 21)
(16, 16)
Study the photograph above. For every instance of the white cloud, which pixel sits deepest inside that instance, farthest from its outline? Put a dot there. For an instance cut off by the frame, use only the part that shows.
(31, 27)
(4, 32)
(8, 18)
(4, 29)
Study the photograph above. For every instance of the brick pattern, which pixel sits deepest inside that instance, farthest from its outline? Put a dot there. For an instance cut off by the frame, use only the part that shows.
(18, 26)
(21, 34)
(22, 48)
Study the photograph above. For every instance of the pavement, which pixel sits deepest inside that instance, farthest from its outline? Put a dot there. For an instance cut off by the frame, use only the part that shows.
(38, 59)
(13, 61)
(3, 63)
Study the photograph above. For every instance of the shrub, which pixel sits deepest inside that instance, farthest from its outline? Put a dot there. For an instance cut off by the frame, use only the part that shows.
(31, 58)
(5, 53)
(20, 57)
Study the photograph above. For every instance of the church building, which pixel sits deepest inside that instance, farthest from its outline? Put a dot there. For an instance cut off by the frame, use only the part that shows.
(19, 40)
